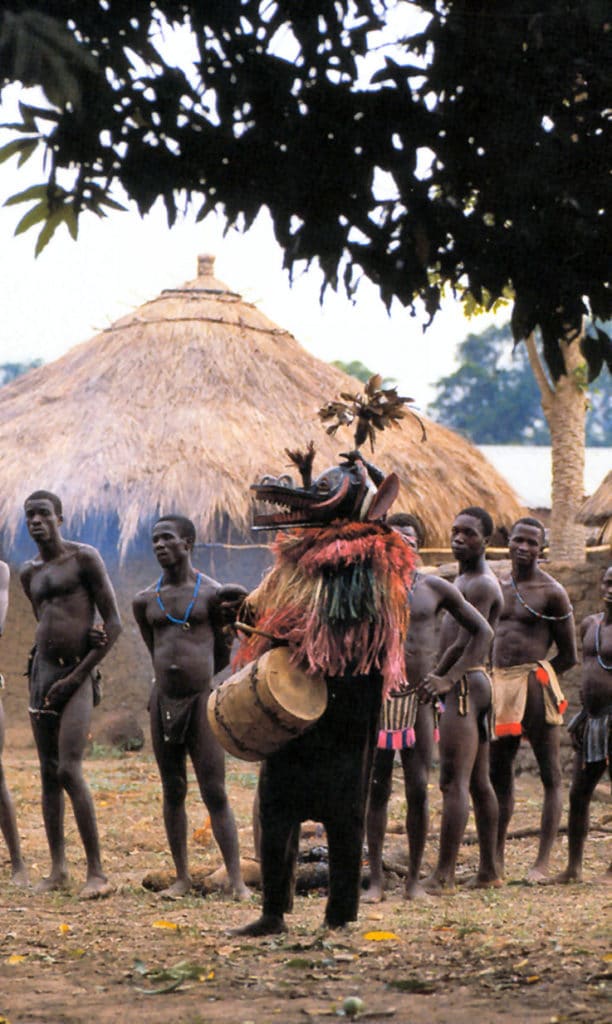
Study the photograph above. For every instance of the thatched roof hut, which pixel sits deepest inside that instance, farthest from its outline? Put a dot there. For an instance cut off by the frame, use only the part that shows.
(181, 405)
(597, 510)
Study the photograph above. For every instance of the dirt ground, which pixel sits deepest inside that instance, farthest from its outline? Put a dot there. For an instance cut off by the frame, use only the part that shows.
(535, 954)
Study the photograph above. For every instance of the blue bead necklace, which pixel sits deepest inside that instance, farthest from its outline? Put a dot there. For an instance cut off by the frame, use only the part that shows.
(538, 615)
(608, 668)
(184, 622)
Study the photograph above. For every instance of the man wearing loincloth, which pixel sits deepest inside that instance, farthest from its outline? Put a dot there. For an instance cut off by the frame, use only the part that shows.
(536, 614)
(591, 729)
(181, 618)
(66, 584)
(8, 823)
(465, 722)
(413, 736)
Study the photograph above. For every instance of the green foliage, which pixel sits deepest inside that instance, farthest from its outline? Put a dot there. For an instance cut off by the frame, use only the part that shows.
(475, 155)
(102, 752)
(493, 397)
(355, 368)
(8, 371)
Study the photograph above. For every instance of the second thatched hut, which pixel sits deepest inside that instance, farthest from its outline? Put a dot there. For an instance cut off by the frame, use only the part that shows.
(180, 406)
(596, 511)
(185, 402)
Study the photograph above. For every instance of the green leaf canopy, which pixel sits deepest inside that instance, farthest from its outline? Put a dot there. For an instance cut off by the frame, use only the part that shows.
(474, 153)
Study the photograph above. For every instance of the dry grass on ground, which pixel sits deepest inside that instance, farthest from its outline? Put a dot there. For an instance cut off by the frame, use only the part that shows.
(520, 953)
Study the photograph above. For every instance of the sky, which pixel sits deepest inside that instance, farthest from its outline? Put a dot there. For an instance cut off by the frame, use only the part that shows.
(75, 289)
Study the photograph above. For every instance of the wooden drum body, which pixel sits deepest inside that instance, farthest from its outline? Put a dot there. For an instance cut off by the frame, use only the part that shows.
(269, 702)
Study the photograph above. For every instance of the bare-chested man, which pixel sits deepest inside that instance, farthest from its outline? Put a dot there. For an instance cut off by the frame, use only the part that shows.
(67, 584)
(536, 615)
(8, 823)
(464, 725)
(592, 734)
(181, 618)
(429, 596)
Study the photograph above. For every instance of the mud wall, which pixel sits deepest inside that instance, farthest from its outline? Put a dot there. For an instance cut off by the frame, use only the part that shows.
(127, 669)
(582, 582)
(126, 672)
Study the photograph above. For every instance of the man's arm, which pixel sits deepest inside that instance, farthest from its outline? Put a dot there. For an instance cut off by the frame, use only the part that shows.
(139, 609)
(485, 594)
(96, 580)
(584, 625)
(224, 609)
(584, 628)
(25, 576)
(469, 649)
(4, 594)
(563, 631)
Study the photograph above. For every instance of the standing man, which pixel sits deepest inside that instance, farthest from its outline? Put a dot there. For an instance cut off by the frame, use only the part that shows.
(66, 584)
(181, 619)
(591, 729)
(8, 823)
(429, 596)
(465, 725)
(526, 694)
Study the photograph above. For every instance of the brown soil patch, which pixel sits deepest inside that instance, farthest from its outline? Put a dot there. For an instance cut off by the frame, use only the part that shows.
(520, 953)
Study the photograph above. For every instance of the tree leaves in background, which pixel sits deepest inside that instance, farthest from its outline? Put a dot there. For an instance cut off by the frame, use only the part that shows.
(9, 371)
(476, 154)
(493, 398)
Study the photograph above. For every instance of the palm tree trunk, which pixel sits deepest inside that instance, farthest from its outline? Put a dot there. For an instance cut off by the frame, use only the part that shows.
(564, 406)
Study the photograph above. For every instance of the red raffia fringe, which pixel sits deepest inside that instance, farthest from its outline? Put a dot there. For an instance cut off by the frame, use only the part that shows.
(292, 602)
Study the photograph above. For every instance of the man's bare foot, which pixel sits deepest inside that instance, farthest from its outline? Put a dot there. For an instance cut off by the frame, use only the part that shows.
(241, 892)
(335, 926)
(55, 882)
(177, 890)
(373, 894)
(97, 887)
(437, 886)
(483, 882)
(267, 924)
(20, 877)
(566, 877)
(537, 876)
(415, 890)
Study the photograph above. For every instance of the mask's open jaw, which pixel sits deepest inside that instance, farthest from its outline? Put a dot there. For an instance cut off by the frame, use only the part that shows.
(278, 505)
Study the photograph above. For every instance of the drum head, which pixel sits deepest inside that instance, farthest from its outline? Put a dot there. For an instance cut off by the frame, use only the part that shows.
(302, 695)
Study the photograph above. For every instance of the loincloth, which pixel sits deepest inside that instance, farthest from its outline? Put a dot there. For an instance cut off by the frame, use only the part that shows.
(592, 735)
(462, 692)
(397, 720)
(39, 683)
(175, 715)
(510, 696)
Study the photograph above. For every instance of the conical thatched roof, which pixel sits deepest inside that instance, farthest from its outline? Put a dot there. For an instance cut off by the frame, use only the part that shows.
(597, 510)
(185, 402)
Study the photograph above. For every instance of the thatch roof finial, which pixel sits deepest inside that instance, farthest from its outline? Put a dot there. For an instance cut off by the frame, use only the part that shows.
(206, 265)
(216, 385)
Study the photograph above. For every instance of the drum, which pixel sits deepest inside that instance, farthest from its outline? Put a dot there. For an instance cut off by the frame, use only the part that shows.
(269, 702)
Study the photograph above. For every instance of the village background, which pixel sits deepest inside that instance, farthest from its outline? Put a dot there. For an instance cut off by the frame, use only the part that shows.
(76, 291)
(170, 381)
